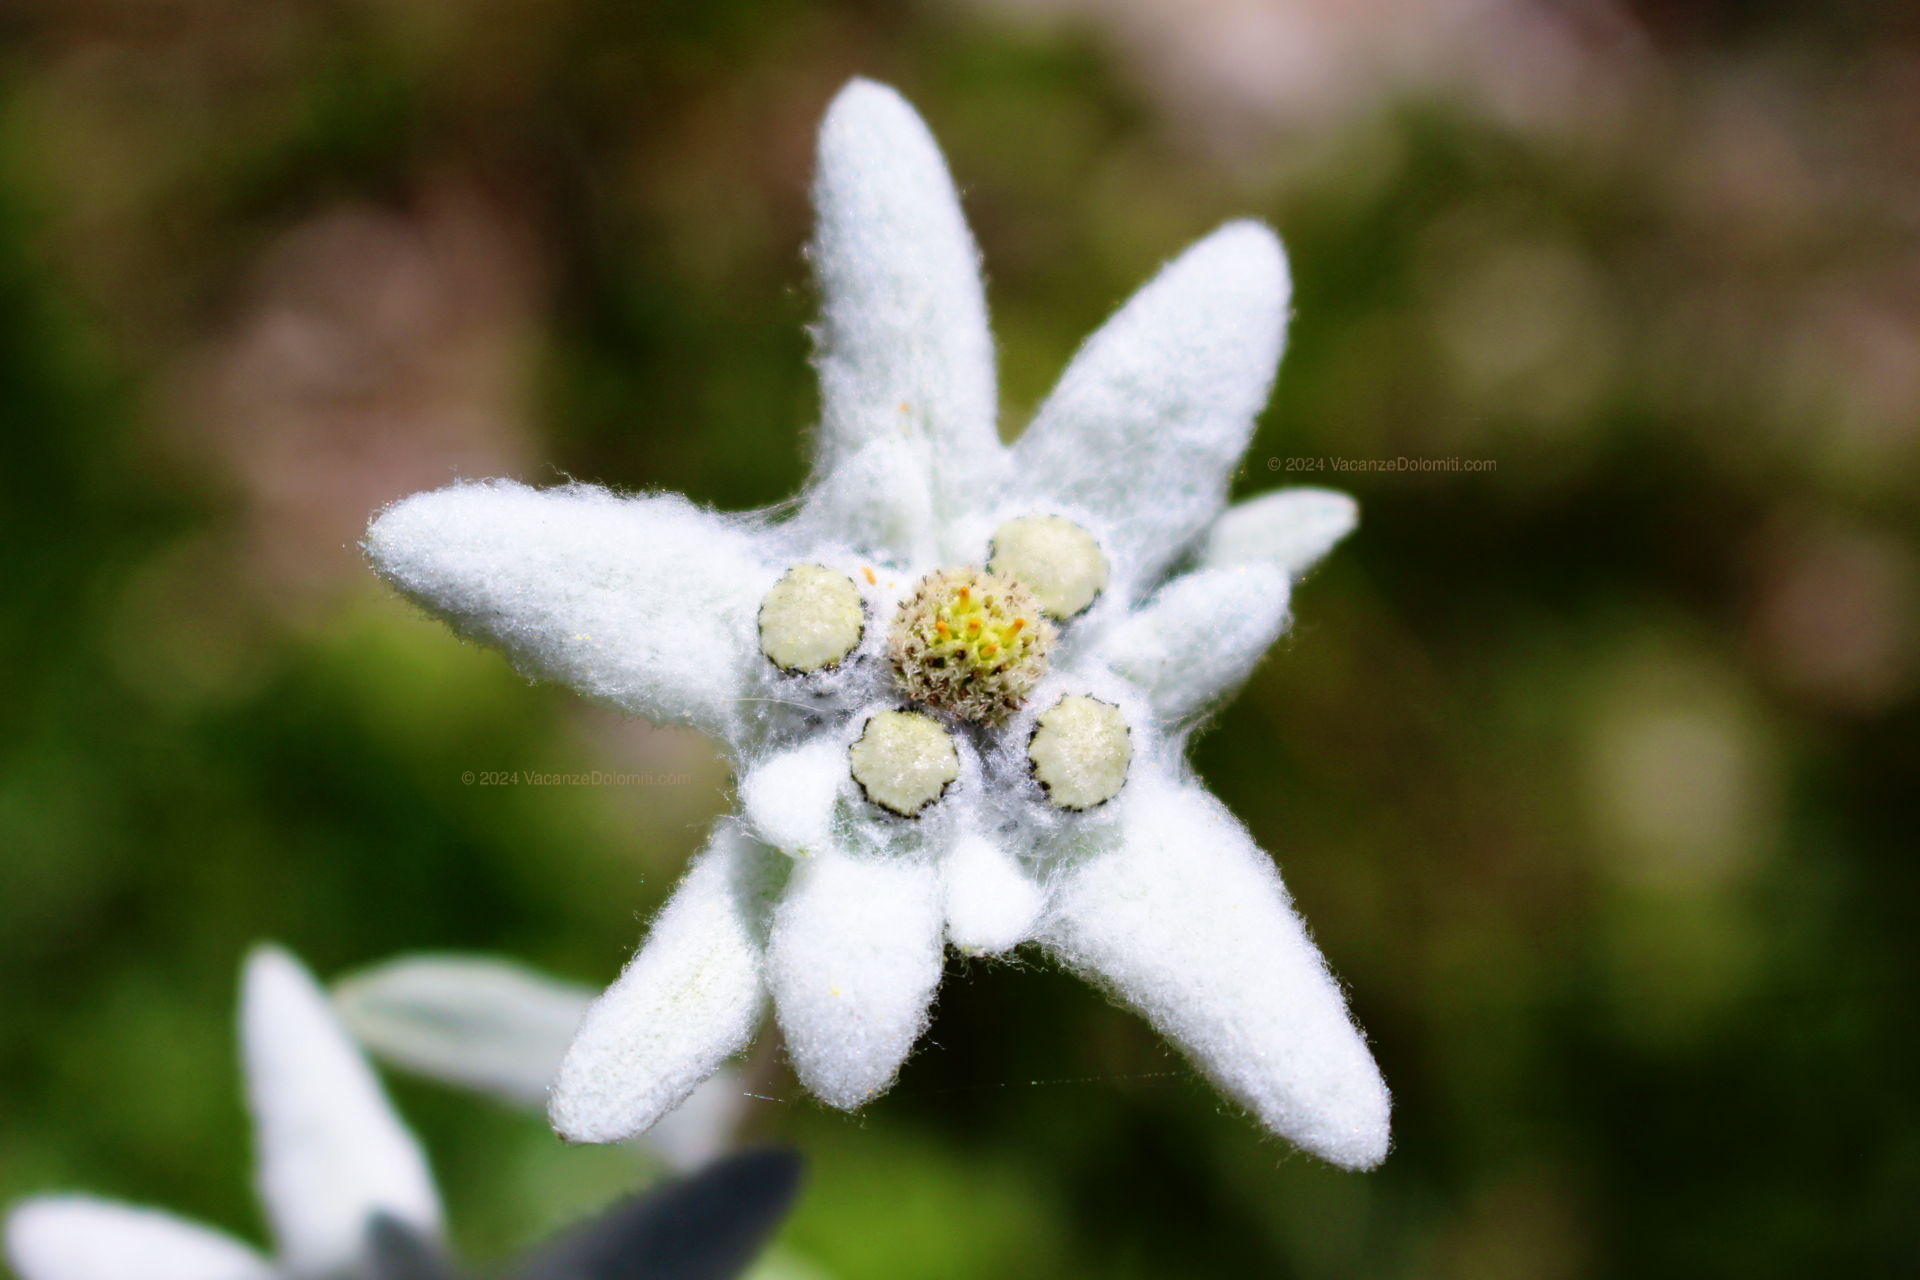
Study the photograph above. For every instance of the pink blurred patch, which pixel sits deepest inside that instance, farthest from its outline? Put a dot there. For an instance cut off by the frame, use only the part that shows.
(377, 351)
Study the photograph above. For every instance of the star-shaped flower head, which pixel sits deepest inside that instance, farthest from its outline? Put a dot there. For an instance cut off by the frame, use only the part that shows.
(336, 1170)
(347, 1189)
(956, 682)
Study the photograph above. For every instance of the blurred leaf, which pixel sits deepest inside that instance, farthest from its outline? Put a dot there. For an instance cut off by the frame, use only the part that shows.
(395, 1251)
(710, 1226)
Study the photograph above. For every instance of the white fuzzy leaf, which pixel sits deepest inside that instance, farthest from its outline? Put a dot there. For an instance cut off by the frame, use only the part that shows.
(499, 1028)
(789, 797)
(853, 961)
(905, 353)
(1200, 635)
(1291, 528)
(991, 901)
(490, 1025)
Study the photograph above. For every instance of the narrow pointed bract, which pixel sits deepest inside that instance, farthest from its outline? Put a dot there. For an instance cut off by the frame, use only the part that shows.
(689, 1001)
(1291, 529)
(905, 354)
(1188, 922)
(1201, 634)
(330, 1152)
(1152, 415)
(639, 603)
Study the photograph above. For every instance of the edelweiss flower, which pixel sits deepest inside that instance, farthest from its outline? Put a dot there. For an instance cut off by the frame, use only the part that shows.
(957, 681)
(349, 1194)
(336, 1167)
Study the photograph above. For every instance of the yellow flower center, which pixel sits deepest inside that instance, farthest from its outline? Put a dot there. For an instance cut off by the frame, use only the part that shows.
(970, 643)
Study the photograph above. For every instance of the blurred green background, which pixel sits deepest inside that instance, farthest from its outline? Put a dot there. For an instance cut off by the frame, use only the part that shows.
(1594, 771)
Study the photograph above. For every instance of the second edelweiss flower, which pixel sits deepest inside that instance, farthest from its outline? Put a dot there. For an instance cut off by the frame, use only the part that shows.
(957, 684)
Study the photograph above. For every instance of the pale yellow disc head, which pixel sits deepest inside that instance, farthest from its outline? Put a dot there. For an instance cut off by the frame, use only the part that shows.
(1055, 559)
(811, 619)
(904, 761)
(1080, 752)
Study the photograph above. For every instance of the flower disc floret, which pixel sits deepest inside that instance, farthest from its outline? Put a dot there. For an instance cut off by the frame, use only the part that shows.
(1055, 559)
(1080, 751)
(970, 643)
(811, 619)
(903, 761)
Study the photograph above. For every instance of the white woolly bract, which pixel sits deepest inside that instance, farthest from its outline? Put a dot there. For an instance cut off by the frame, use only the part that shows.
(1200, 635)
(853, 961)
(1188, 921)
(1151, 417)
(490, 1025)
(876, 501)
(331, 1154)
(991, 901)
(1291, 528)
(501, 1029)
(686, 1003)
(789, 797)
(905, 353)
(81, 1238)
(644, 603)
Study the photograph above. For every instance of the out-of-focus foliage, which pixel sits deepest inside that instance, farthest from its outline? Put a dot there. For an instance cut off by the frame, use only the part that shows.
(1594, 771)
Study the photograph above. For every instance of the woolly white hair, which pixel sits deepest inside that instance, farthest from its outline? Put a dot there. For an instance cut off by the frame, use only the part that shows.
(991, 900)
(331, 1157)
(1201, 635)
(500, 1029)
(1187, 921)
(1153, 414)
(841, 911)
(1289, 529)
(688, 1001)
(853, 961)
